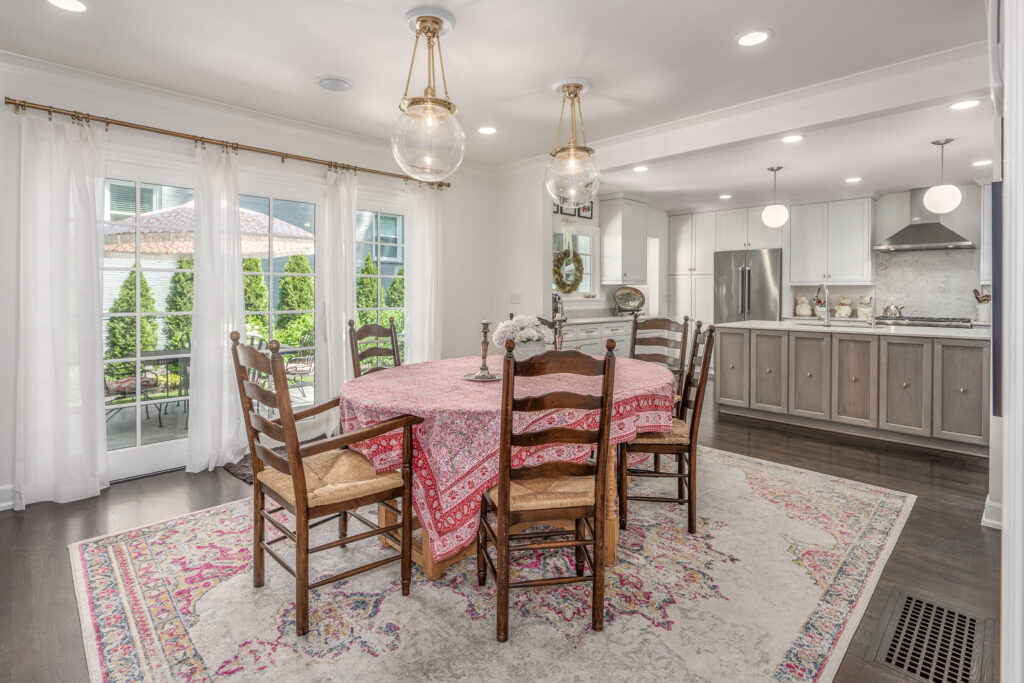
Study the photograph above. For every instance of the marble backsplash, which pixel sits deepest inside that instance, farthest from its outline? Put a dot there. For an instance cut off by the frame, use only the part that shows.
(928, 283)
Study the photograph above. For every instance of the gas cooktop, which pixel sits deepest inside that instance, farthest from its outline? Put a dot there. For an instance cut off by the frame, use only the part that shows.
(923, 321)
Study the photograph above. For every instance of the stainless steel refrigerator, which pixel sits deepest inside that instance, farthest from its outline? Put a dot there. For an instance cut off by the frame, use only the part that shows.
(748, 285)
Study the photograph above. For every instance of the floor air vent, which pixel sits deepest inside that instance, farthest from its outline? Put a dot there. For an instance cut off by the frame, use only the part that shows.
(926, 641)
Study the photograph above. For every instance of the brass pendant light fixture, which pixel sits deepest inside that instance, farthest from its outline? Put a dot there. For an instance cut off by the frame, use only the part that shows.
(774, 215)
(942, 198)
(427, 140)
(572, 177)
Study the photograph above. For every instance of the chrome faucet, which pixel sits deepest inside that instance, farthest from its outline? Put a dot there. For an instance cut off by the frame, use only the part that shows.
(828, 303)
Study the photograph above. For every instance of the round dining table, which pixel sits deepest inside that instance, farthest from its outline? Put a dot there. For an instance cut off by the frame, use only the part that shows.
(455, 458)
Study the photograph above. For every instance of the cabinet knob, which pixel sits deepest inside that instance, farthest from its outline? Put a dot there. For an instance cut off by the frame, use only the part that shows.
(731, 366)
(962, 391)
(769, 371)
(904, 385)
(853, 379)
(808, 374)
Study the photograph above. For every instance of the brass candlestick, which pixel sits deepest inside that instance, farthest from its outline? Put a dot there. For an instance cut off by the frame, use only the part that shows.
(483, 374)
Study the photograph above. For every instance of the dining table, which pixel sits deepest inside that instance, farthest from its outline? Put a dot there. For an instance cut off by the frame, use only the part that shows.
(455, 457)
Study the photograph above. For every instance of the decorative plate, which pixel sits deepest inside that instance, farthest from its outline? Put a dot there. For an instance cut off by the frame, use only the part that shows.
(629, 299)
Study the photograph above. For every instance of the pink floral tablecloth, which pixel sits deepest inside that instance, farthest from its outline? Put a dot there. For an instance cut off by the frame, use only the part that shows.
(456, 447)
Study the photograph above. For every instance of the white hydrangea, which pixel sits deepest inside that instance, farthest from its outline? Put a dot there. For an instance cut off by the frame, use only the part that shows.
(522, 329)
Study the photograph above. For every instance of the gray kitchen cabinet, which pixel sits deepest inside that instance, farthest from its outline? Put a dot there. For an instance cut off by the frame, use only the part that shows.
(905, 385)
(769, 361)
(855, 379)
(810, 374)
(960, 390)
(732, 377)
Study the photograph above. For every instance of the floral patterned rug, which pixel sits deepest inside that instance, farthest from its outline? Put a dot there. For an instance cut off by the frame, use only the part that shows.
(772, 587)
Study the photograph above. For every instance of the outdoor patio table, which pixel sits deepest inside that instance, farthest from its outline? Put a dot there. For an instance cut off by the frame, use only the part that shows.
(456, 447)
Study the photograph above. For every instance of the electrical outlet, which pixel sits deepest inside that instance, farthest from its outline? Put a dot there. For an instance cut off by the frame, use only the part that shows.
(515, 298)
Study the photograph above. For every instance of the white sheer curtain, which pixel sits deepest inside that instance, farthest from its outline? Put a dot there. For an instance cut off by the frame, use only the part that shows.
(423, 274)
(335, 281)
(216, 435)
(61, 439)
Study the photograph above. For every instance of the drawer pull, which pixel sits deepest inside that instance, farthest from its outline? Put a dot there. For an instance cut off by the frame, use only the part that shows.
(904, 385)
(962, 391)
(808, 374)
(853, 379)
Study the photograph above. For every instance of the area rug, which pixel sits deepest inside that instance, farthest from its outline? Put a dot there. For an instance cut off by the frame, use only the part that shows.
(771, 587)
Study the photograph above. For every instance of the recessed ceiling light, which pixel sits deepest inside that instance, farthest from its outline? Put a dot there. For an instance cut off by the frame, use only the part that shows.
(334, 83)
(752, 38)
(983, 162)
(487, 130)
(966, 104)
(793, 138)
(69, 5)
(854, 179)
(725, 196)
(640, 169)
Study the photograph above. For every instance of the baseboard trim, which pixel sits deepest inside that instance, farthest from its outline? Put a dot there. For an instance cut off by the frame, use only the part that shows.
(6, 497)
(993, 516)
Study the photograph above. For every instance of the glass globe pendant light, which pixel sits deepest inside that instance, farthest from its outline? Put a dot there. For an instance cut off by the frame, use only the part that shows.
(427, 140)
(942, 198)
(572, 177)
(774, 215)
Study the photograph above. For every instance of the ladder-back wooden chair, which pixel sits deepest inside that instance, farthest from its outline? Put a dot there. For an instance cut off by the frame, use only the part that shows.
(555, 326)
(675, 338)
(332, 482)
(377, 332)
(557, 490)
(681, 441)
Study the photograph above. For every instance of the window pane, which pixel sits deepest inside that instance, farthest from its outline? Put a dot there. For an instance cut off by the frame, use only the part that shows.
(583, 244)
(366, 258)
(175, 332)
(119, 200)
(257, 292)
(366, 318)
(119, 383)
(164, 421)
(296, 263)
(293, 330)
(119, 336)
(392, 229)
(120, 428)
(162, 378)
(118, 291)
(257, 330)
(366, 226)
(119, 244)
(257, 264)
(250, 204)
(294, 293)
(398, 315)
(559, 241)
(293, 218)
(366, 292)
(166, 206)
(170, 291)
(392, 292)
(300, 369)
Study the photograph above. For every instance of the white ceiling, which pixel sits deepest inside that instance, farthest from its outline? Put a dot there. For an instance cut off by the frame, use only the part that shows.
(650, 62)
(890, 153)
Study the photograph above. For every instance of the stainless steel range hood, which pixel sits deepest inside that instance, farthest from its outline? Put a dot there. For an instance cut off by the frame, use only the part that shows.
(924, 232)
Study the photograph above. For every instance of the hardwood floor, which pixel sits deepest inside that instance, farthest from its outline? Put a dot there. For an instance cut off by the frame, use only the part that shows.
(942, 554)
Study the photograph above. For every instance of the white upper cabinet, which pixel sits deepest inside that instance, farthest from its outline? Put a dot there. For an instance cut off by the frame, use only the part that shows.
(732, 230)
(831, 241)
(692, 244)
(986, 234)
(849, 241)
(759, 235)
(680, 244)
(807, 225)
(704, 225)
(623, 241)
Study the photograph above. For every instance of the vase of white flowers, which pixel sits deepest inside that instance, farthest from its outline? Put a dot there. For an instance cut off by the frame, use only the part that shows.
(530, 336)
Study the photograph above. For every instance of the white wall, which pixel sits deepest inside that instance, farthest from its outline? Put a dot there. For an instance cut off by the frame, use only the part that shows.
(518, 254)
(468, 206)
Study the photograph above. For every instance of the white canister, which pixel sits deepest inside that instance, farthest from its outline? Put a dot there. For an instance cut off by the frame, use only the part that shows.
(985, 312)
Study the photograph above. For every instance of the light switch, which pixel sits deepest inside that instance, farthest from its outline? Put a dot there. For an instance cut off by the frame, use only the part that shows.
(515, 298)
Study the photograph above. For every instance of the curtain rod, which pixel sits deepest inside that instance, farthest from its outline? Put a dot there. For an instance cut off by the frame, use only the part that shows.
(22, 105)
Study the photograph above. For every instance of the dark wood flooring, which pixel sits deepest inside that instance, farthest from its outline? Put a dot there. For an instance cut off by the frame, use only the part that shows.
(943, 553)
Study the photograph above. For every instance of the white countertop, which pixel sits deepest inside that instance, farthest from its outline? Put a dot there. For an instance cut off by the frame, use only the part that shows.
(601, 319)
(850, 327)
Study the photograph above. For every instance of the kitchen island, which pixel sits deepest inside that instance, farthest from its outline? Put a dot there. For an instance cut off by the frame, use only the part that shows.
(923, 386)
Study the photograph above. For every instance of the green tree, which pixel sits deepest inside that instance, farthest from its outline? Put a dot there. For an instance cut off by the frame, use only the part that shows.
(295, 294)
(121, 330)
(394, 298)
(257, 297)
(366, 292)
(180, 298)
